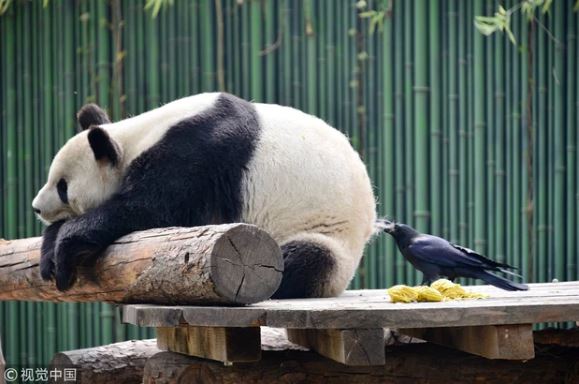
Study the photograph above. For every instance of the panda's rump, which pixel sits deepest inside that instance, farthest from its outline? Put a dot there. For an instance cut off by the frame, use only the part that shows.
(305, 178)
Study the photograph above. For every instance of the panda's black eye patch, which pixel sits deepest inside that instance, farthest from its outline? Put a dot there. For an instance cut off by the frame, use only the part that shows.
(62, 189)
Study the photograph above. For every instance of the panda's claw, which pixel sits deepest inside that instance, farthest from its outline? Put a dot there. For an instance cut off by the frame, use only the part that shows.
(47, 268)
(64, 278)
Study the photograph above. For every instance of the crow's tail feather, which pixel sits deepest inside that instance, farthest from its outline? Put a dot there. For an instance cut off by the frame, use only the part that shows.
(501, 282)
(509, 272)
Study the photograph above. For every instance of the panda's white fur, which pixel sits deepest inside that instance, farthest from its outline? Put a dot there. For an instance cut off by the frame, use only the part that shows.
(304, 182)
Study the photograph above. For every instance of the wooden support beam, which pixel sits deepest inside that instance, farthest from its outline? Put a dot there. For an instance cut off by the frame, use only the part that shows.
(229, 345)
(509, 342)
(226, 264)
(355, 347)
(119, 363)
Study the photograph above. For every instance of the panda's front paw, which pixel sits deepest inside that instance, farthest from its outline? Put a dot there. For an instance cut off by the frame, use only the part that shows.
(72, 249)
(47, 250)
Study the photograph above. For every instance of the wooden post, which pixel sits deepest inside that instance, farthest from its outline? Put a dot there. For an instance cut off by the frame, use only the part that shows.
(229, 345)
(226, 264)
(509, 342)
(355, 347)
(119, 363)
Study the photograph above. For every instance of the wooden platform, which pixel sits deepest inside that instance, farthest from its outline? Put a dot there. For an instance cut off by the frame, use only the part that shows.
(346, 328)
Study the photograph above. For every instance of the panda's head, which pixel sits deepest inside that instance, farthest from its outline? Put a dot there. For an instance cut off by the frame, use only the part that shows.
(84, 173)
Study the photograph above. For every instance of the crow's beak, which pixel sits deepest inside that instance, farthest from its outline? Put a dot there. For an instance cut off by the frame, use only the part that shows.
(388, 226)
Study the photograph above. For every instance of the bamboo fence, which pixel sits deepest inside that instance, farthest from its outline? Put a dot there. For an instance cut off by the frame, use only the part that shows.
(438, 112)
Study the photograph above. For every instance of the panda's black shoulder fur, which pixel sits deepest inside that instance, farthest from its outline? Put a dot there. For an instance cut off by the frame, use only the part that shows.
(194, 174)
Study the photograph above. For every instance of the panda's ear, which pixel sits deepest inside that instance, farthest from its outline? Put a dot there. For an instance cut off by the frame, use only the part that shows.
(91, 114)
(105, 149)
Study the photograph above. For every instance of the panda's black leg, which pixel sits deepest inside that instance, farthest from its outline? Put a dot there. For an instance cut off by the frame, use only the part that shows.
(307, 267)
(81, 240)
(47, 250)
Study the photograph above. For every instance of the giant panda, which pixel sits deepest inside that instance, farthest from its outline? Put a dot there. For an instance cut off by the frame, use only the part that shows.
(211, 158)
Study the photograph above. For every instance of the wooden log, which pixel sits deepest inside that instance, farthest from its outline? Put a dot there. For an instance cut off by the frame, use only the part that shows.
(226, 264)
(413, 363)
(355, 347)
(510, 342)
(120, 363)
(228, 345)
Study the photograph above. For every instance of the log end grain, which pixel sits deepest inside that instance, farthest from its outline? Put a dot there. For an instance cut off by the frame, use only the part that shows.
(246, 265)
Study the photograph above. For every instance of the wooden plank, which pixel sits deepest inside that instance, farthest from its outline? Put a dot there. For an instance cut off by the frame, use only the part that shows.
(509, 342)
(354, 347)
(217, 343)
(364, 315)
(354, 311)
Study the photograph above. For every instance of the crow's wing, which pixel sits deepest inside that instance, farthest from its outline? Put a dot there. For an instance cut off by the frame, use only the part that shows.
(436, 250)
(482, 258)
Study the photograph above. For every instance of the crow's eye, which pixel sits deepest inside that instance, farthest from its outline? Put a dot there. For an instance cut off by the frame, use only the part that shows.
(62, 189)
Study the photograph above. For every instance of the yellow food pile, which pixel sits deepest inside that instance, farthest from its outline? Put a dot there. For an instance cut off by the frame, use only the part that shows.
(440, 290)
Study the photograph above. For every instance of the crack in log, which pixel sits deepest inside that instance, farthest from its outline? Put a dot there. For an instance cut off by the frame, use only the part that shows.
(240, 284)
(235, 248)
(252, 266)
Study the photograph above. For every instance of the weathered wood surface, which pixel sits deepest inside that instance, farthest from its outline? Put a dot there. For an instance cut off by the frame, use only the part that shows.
(510, 342)
(354, 347)
(119, 363)
(227, 264)
(410, 364)
(229, 345)
(548, 302)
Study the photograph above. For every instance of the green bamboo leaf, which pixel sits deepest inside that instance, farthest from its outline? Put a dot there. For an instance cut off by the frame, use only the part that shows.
(4, 5)
(486, 28)
(156, 5)
(546, 6)
(528, 9)
(367, 14)
(511, 36)
(576, 6)
(486, 19)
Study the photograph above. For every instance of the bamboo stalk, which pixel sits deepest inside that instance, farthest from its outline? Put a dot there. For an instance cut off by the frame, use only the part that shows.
(559, 147)
(571, 154)
(420, 102)
(401, 201)
(435, 117)
(479, 138)
(453, 145)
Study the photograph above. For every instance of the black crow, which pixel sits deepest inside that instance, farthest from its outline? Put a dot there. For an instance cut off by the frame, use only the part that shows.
(436, 257)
